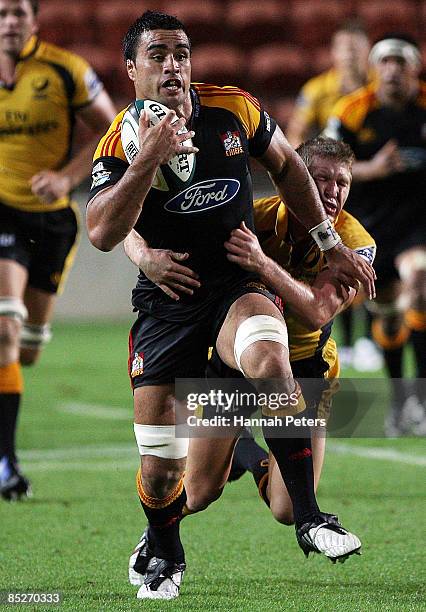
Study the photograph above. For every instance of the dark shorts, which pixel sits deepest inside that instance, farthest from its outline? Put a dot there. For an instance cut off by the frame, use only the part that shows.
(161, 351)
(43, 242)
(388, 250)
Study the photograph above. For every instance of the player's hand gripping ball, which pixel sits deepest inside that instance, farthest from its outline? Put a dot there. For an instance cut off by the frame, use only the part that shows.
(180, 169)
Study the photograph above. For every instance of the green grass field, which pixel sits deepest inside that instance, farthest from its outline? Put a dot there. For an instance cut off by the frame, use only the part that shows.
(75, 534)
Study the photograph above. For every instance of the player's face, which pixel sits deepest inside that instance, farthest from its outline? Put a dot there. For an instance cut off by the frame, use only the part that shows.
(350, 51)
(333, 180)
(396, 76)
(17, 24)
(162, 70)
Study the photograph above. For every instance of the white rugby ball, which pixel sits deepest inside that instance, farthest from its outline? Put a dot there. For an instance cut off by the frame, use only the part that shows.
(180, 169)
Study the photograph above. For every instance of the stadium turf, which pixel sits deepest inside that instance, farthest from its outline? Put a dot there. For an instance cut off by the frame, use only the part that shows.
(75, 534)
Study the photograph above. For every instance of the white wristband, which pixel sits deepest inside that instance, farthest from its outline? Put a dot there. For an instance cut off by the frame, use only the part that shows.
(325, 235)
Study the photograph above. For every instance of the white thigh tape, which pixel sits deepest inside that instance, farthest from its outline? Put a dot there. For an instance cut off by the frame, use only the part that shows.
(160, 440)
(258, 327)
(325, 235)
(13, 308)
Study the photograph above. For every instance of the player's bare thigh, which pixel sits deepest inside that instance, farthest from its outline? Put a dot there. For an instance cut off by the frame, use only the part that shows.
(13, 278)
(280, 502)
(207, 469)
(246, 306)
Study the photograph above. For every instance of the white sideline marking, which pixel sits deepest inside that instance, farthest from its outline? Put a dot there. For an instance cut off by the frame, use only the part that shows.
(104, 458)
(385, 454)
(125, 456)
(97, 411)
(79, 466)
(76, 452)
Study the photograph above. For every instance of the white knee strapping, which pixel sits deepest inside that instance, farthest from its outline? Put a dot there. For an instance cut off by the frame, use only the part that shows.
(35, 336)
(258, 327)
(13, 307)
(160, 440)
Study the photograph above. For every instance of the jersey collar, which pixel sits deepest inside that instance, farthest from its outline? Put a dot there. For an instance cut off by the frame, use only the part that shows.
(30, 48)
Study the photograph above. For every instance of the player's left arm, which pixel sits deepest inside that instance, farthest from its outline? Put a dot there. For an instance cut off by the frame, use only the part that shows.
(162, 266)
(50, 185)
(315, 305)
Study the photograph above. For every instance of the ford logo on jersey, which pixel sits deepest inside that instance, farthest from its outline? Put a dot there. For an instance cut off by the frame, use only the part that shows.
(203, 196)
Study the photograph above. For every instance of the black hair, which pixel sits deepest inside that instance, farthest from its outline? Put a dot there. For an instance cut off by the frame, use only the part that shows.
(327, 148)
(353, 25)
(399, 36)
(150, 20)
(34, 6)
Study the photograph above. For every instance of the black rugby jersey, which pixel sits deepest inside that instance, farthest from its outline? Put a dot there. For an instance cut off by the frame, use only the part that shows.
(397, 201)
(230, 126)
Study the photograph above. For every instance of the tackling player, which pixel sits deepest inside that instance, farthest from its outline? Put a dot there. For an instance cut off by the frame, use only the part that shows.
(312, 304)
(42, 89)
(170, 340)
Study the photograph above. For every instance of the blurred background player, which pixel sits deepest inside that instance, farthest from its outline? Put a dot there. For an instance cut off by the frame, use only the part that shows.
(384, 123)
(42, 88)
(350, 47)
(349, 55)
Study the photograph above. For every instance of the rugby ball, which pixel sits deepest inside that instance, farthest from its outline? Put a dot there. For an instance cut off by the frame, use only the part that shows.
(180, 169)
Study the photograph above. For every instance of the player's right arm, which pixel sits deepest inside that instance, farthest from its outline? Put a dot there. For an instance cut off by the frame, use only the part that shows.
(315, 305)
(297, 188)
(113, 211)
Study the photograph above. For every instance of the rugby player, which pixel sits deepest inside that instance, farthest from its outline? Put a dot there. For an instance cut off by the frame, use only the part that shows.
(295, 268)
(349, 55)
(312, 304)
(170, 339)
(42, 89)
(385, 125)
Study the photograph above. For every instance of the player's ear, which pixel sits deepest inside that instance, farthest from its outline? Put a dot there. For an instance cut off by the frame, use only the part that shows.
(131, 69)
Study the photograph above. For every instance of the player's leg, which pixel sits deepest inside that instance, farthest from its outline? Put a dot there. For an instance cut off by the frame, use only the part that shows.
(36, 331)
(411, 265)
(161, 493)
(158, 565)
(249, 456)
(207, 468)
(51, 260)
(276, 491)
(13, 277)
(241, 344)
(159, 352)
(391, 334)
